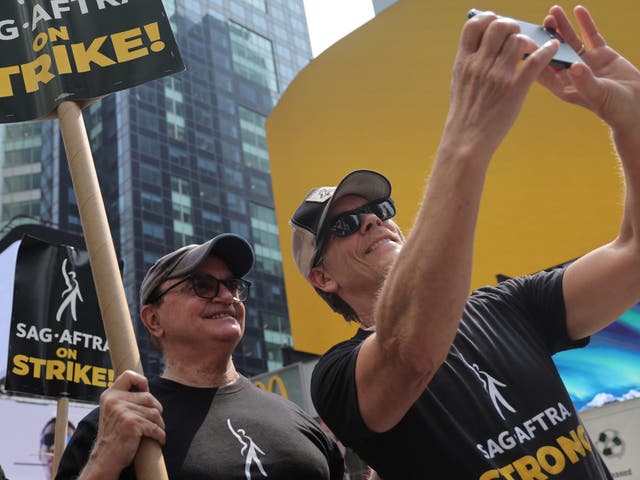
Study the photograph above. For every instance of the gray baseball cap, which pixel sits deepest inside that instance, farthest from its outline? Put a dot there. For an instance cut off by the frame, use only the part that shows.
(232, 249)
(310, 217)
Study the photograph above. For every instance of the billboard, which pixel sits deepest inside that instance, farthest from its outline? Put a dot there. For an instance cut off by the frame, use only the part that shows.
(378, 99)
(609, 368)
(615, 431)
(22, 453)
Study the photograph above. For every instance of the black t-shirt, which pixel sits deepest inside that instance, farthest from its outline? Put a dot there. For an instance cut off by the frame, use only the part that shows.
(497, 407)
(225, 433)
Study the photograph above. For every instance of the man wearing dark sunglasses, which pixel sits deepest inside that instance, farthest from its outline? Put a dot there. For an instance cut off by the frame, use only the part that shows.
(435, 379)
(211, 421)
(47, 438)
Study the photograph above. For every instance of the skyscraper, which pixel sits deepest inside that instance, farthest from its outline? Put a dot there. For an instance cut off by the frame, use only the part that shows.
(380, 5)
(182, 158)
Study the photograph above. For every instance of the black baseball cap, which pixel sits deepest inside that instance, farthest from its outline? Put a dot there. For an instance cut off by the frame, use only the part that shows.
(310, 217)
(232, 249)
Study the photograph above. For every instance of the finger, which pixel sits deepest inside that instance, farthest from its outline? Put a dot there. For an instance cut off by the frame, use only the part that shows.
(563, 26)
(550, 22)
(147, 421)
(588, 28)
(112, 398)
(130, 380)
(152, 430)
(144, 399)
(495, 38)
(149, 412)
(473, 31)
(584, 80)
(552, 79)
(127, 419)
(535, 63)
(515, 47)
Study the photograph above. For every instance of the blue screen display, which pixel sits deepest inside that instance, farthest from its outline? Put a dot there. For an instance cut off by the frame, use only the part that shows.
(608, 368)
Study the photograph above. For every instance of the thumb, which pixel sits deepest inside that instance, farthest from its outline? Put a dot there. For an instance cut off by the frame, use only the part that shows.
(583, 80)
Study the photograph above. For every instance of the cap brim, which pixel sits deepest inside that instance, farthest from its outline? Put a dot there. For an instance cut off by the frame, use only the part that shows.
(232, 249)
(363, 183)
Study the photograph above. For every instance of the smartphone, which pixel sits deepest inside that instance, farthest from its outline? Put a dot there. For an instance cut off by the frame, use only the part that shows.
(564, 57)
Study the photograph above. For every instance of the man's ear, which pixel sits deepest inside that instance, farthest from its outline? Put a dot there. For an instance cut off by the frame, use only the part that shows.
(149, 317)
(321, 279)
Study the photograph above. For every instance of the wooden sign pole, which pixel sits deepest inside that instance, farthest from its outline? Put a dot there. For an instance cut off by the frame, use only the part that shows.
(61, 430)
(149, 462)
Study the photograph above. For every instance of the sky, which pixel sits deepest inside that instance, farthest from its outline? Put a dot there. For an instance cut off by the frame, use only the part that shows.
(330, 20)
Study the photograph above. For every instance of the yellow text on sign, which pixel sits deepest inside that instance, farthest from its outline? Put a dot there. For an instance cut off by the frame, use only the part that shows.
(127, 45)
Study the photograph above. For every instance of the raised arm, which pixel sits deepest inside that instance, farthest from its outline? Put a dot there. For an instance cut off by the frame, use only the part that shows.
(421, 302)
(600, 286)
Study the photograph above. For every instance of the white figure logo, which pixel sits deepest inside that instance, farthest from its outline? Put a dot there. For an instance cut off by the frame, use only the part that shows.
(70, 294)
(491, 385)
(249, 449)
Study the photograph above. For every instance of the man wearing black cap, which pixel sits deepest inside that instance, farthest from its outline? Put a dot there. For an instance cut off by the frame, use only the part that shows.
(211, 421)
(437, 383)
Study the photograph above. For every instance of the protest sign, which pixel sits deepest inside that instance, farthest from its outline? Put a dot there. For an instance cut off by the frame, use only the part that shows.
(60, 50)
(57, 344)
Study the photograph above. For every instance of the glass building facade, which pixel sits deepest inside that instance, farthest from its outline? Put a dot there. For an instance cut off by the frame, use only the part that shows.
(182, 158)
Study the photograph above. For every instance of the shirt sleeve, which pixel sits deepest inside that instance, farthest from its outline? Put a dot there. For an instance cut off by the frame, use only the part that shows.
(334, 394)
(540, 298)
(76, 453)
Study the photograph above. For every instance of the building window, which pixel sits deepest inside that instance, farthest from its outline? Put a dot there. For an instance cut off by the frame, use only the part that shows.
(204, 141)
(266, 242)
(233, 176)
(150, 174)
(174, 104)
(259, 4)
(181, 207)
(254, 139)
(236, 203)
(252, 56)
(151, 202)
(21, 157)
(178, 156)
(149, 258)
(21, 144)
(153, 230)
(230, 152)
(239, 228)
(277, 334)
(207, 164)
(29, 208)
(95, 120)
(259, 186)
(212, 222)
(148, 146)
(209, 193)
(20, 183)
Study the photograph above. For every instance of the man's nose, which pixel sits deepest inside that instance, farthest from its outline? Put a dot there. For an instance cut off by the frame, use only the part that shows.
(368, 221)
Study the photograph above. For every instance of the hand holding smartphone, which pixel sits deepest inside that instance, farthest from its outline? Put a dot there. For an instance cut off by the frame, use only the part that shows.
(564, 57)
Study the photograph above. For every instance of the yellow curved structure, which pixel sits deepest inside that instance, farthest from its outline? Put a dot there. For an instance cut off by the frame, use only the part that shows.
(378, 99)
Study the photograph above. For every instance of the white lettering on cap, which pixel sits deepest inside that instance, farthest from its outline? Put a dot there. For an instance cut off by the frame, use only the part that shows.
(320, 195)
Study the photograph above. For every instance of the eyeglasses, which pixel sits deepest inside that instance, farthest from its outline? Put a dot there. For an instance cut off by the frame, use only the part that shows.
(348, 223)
(48, 439)
(207, 286)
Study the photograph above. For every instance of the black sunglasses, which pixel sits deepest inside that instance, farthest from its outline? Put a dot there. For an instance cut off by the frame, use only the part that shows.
(207, 286)
(347, 223)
